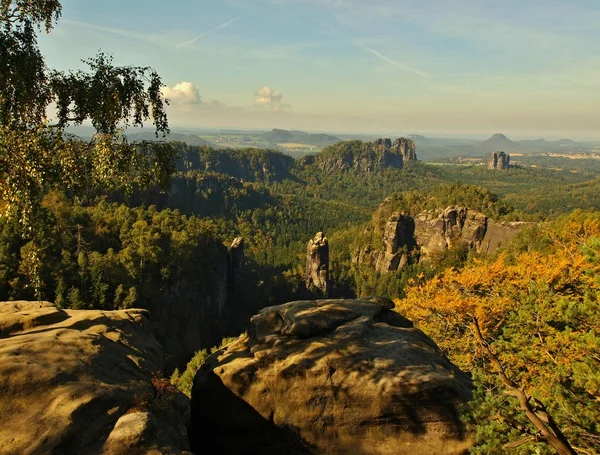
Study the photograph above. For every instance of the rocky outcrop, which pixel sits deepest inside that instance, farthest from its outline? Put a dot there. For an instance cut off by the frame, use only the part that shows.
(450, 228)
(398, 243)
(80, 381)
(366, 157)
(329, 377)
(317, 265)
(499, 160)
(407, 240)
(498, 233)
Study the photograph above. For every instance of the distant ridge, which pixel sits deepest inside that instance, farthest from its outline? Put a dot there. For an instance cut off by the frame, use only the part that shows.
(277, 136)
(496, 143)
(189, 139)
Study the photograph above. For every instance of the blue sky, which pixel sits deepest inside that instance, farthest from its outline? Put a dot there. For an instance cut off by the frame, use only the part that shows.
(527, 68)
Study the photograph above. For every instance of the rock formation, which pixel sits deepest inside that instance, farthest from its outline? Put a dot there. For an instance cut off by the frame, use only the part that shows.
(499, 160)
(329, 377)
(406, 239)
(317, 265)
(450, 228)
(79, 381)
(398, 242)
(498, 233)
(365, 157)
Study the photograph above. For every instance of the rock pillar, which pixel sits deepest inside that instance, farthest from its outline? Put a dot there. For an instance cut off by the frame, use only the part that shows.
(317, 265)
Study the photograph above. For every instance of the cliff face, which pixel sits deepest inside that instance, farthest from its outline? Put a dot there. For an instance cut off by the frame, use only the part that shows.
(190, 315)
(365, 157)
(450, 228)
(398, 242)
(499, 160)
(317, 265)
(329, 377)
(80, 381)
(406, 239)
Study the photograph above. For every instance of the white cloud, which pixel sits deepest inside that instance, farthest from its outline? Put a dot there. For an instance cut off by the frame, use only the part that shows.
(267, 97)
(182, 93)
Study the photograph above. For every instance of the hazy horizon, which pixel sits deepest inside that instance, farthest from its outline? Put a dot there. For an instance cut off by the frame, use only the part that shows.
(453, 68)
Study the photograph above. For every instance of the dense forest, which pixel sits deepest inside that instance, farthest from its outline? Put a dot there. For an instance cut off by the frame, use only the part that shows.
(275, 203)
(168, 251)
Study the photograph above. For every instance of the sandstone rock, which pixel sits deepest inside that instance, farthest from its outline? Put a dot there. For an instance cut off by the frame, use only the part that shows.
(450, 228)
(407, 240)
(329, 377)
(406, 148)
(398, 241)
(499, 160)
(142, 432)
(499, 233)
(67, 376)
(317, 265)
(366, 157)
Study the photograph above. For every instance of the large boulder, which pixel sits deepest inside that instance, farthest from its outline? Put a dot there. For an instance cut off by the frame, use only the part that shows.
(81, 382)
(329, 377)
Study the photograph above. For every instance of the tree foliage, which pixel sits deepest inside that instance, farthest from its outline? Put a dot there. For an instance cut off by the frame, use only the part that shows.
(184, 381)
(528, 329)
(37, 155)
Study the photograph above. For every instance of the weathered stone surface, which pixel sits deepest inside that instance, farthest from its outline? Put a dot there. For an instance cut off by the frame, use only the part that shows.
(499, 160)
(407, 240)
(499, 233)
(398, 241)
(329, 377)
(317, 265)
(143, 432)
(66, 377)
(406, 148)
(450, 228)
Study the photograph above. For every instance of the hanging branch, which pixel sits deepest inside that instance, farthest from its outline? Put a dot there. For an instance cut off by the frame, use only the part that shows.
(547, 429)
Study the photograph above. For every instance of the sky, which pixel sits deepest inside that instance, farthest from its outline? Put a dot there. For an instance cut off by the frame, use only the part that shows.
(471, 68)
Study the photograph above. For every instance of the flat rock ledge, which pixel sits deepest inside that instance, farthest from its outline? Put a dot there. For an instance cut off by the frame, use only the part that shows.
(329, 377)
(70, 381)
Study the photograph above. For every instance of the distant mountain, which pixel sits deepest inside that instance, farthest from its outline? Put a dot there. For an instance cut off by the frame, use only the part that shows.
(564, 142)
(498, 142)
(277, 136)
(189, 139)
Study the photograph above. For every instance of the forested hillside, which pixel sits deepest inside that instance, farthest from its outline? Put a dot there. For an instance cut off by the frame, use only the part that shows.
(277, 204)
